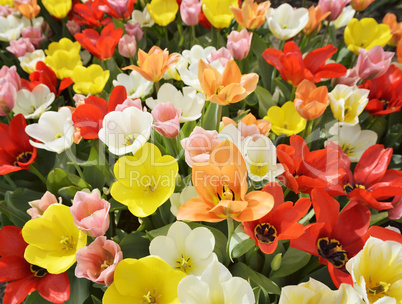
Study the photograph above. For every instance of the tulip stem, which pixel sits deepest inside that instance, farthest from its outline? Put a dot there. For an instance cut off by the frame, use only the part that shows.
(10, 181)
(292, 96)
(157, 87)
(325, 33)
(307, 131)
(218, 117)
(286, 193)
(230, 234)
(37, 173)
(71, 156)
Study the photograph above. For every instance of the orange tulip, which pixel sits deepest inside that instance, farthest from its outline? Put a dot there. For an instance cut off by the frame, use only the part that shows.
(153, 65)
(396, 28)
(315, 19)
(28, 8)
(230, 87)
(399, 52)
(360, 5)
(310, 101)
(251, 15)
(221, 184)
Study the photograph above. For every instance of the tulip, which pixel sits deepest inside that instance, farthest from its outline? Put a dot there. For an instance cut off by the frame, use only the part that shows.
(251, 15)
(316, 16)
(127, 46)
(396, 28)
(57, 8)
(167, 119)
(20, 47)
(97, 261)
(190, 11)
(285, 22)
(223, 55)
(10, 27)
(39, 206)
(90, 213)
(8, 98)
(333, 6)
(90, 80)
(228, 87)
(32, 104)
(343, 19)
(366, 33)
(351, 78)
(163, 12)
(34, 34)
(11, 75)
(153, 65)
(373, 63)
(239, 43)
(143, 18)
(28, 8)
(360, 5)
(218, 13)
(73, 27)
(310, 101)
(134, 29)
(199, 145)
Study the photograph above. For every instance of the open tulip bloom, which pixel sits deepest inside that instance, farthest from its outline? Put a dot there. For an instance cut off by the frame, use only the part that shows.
(200, 152)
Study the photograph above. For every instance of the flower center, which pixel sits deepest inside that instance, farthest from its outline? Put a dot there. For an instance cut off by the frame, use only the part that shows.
(379, 290)
(227, 194)
(68, 242)
(24, 157)
(38, 272)
(108, 262)
(265, 233)
(259, 169)
(331, 250)
(149, 298)
(349, 187)
(348, 149)
(130, 138)
(183, 264)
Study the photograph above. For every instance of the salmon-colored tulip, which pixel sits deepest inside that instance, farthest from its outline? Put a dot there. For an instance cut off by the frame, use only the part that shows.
(396, 28)
(251, 15)
(153, 65)
(399, 52)
(228, 87)
(221, 184)
(310, 101)
(316, 17)
(28, 8)
(360, 5)
(263, 126)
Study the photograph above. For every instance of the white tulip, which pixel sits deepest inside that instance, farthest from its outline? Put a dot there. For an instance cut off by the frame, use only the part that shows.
(136, 85)
(33, 104)
(11, 26)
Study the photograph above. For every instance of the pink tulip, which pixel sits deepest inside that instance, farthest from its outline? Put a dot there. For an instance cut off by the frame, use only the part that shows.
(127, 46)
(98, 261)
(134, 30)
(223, 55)
(190, 11)
(73, 27)
(90, 213)
(34, 34)
(239, 43)
(6, 10)
(9, 74)
(247, 130)
(130, 103)
(396, 212)
(199, 145)
(20, 47)
(119, 6)
(350, 79)
(167, 119)
(373, 63)
(39, 206)
(8, 97)
(334, 6)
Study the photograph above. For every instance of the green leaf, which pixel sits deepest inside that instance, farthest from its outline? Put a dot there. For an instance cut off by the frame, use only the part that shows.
(68, 193)
(187, 128)
(240, 242)
(97, 171)
(59, 178)
(210, 118)
(79, 288)
(285, 88)
(135, 245)
(265, 100)
(293, 260)
(256, 279)
(17, 202)
(95, 300)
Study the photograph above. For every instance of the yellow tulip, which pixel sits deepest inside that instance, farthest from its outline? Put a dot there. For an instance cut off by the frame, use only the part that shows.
(89, 80)
(144, 181)
(219, 12)
(285, 119)
(147, 280)
(7, 2)
(366, 33)
(163, 12)
(57, 8)
(53, 239)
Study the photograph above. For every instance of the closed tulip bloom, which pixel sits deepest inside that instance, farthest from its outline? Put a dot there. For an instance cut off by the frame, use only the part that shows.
(20, 47)
(223, 55)
(251, 15)
(8, 98)
(228, 87)
(11, 75)
(163, 12)
(286, 22)
(127, 46)
(167, 119)
(396, 28)
(97, 261)
(39, 206)
(190, 11)
(218, 13)
(28, 8)
(366, 33)
(373, 63)
(360, 5)
(90, 80)
(239, 43)
(333, 6)
(316, 17)
(134, 30)
(58, 8)
(90, 213)
(310, 101)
